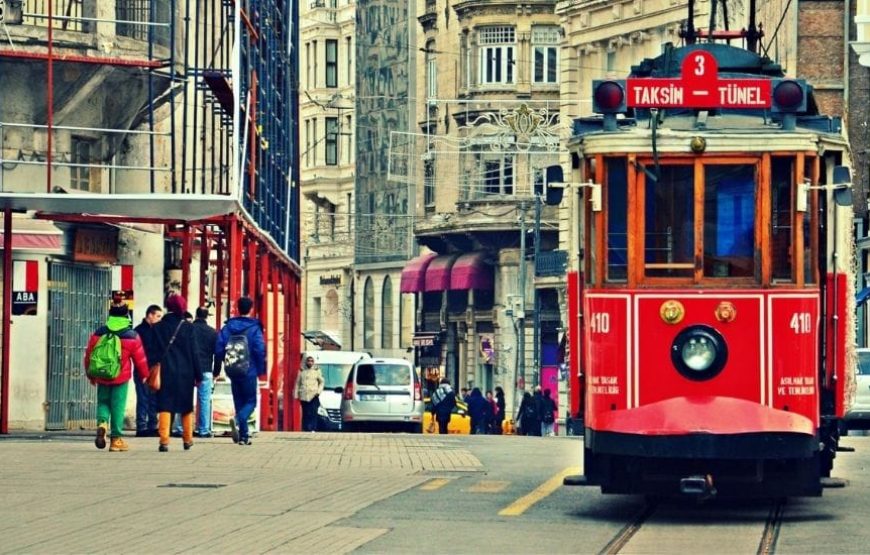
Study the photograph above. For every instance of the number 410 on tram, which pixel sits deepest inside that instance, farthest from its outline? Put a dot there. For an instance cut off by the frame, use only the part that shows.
(712, 314)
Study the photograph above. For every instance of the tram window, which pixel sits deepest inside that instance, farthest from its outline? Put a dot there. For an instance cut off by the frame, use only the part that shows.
(781, 183)
(669, 238)
(729, 221)
(810, 223)
(617, 216)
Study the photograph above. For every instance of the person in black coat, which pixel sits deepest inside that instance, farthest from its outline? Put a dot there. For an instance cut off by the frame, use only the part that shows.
(146, 404)
(478, 410)
(499, 415)
(206, 339)
(527, 416)
(174, 340)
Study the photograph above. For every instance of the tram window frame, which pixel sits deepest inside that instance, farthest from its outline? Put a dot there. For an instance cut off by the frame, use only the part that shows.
(723, 261)
(783, 177)
(811, 222)
(616, 193)
(682, 271)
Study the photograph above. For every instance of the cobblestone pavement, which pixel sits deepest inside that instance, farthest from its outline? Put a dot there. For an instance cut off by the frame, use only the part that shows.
(282, 494)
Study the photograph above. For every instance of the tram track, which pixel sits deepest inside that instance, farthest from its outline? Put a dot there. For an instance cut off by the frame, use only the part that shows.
(642, 529)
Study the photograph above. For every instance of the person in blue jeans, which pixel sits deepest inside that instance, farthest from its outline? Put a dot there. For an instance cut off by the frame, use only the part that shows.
(206, 340)
(146, 403)
(244, 388)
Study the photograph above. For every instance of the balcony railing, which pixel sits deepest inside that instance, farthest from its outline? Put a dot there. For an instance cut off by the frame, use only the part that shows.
(551, 263)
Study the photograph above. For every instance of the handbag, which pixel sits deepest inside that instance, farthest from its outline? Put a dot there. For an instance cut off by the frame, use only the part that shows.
(431, 428)
(154, 381)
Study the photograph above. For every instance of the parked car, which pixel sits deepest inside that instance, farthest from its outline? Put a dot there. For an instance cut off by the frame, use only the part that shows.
(383, 393)
(460, 422)
(858, 417)
(335, 366)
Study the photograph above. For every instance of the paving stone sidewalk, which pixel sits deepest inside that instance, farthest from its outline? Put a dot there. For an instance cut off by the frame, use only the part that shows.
(282, 494)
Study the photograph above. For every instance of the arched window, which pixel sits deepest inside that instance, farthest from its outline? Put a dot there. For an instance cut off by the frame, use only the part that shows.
(369, 314)
(387, 339)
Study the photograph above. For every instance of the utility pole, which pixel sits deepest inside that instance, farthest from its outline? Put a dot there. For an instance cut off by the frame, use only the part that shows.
(536, 341)
(521, 317)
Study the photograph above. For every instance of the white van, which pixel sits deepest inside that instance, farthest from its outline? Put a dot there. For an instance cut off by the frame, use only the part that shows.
(335, 366)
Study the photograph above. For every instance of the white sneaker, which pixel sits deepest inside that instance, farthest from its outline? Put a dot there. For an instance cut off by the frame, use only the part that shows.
(234, 431)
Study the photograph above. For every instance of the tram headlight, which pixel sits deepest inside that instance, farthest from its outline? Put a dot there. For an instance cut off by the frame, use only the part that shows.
(699, 352)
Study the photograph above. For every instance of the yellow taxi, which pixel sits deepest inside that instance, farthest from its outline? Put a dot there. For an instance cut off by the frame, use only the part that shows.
(460, 422)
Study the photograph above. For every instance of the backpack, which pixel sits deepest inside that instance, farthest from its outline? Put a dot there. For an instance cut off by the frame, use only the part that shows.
(105, 361)
(548, 416)
(237, 356)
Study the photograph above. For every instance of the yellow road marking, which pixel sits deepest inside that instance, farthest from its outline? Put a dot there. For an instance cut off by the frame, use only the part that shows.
(525, 502)
(488, 486)
(434, 484)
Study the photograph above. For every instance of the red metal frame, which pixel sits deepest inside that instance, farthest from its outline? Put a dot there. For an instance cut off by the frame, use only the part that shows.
(7, 319)
(98, 60)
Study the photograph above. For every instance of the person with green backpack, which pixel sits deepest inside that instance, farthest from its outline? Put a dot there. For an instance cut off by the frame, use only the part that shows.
(112, 351)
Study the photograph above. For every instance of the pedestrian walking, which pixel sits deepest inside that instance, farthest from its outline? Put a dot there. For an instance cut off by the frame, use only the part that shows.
(443, 401)
(146, 402)
(309, 386)
(548, 414)
(477, 410)
(206, 340)
(493, 425)
(181, 371)
(500, 415)
(112, 351)
(241, 346)
(527, 416)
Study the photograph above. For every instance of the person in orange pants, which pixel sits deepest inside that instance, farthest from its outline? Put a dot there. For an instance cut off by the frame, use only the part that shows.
(174, 338)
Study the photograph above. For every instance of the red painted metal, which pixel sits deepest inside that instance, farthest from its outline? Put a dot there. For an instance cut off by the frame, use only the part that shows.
(253, 281)
(186, 255)
(836, 376)
(575, 387)
(704, 414)
(221, 274)
(50, 99)
(204, 262)
(235, 262)
(7, 320)
(277, 376)
(93, 60)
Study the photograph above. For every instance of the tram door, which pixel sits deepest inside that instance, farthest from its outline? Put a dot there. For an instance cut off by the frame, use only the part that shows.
(77, 304)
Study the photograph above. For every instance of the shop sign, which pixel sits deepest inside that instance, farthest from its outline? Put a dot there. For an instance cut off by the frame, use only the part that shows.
(95, 245)
(25, 287)
(487, 348)
(334, 279)
(427, 340)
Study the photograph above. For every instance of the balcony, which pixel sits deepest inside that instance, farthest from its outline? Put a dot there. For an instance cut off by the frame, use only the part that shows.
(551, 263)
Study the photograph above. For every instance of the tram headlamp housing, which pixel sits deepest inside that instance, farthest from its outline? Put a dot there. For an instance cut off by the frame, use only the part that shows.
(699, 352)
(608, 97)
(788, 96)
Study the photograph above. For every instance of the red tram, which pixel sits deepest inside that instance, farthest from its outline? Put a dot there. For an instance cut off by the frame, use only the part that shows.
(712, 315)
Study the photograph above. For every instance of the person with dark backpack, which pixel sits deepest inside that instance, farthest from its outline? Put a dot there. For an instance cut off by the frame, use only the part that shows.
(241, 346)
(112, 351)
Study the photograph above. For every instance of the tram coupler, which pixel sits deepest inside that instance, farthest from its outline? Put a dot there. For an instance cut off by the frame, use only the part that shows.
(698, 485)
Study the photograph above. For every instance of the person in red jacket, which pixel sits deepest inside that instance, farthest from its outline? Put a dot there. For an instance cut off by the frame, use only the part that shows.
(112, 394)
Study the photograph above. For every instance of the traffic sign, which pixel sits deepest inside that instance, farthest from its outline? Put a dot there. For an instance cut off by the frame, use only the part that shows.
(699, 86)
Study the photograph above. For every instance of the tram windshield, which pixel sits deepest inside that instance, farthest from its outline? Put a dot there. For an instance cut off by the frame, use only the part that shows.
(701, 220)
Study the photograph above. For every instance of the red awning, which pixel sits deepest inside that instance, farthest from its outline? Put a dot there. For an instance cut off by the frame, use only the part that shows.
(438, 273)
(35, 242)
(470, 271)
(414, 274)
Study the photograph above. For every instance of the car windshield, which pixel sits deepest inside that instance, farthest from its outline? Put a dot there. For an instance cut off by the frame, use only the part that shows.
(383, 374)
(334, 375)
(864, 363)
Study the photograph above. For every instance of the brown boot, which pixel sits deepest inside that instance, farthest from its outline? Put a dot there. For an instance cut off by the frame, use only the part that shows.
(118, 444)
(100, 441)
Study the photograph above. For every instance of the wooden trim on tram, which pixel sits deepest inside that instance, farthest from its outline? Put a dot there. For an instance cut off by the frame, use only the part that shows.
(632, 228)
(814, 220)
(600, 223)
(797, 231)
(700, 179)
(762, 208)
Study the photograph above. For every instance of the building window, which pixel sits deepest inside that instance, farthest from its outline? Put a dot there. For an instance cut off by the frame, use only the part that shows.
(498, 175)
(431, 71)
(496, 55)
(307, 142)
(314, 70)
(82, 155)
(314, 317)
(308, 65)
(369, 315)
(350, 58)
(545, 49)
(428, 183)
(387, 315)
(331, 312)
(331, 63)
(331, 141)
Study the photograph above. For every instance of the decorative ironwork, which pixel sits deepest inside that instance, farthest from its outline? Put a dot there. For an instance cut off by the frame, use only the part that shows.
(522, 129)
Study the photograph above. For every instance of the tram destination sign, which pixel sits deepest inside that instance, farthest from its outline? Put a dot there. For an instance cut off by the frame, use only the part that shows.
(699, 86)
